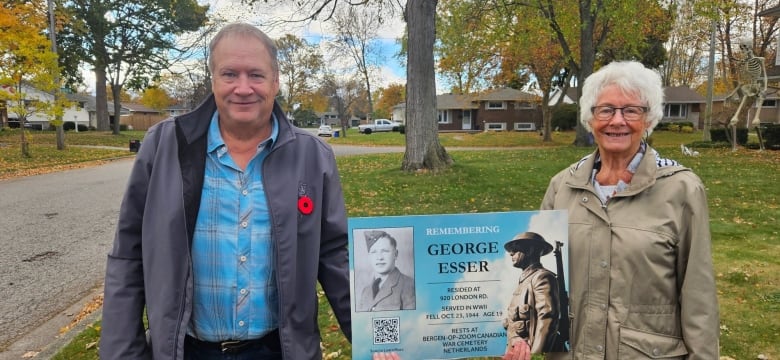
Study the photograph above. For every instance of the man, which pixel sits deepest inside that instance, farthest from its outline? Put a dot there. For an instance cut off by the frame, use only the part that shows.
(532, 316)
(390, 289)
(231, 216)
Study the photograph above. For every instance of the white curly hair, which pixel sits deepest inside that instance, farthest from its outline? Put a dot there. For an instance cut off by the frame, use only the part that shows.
(632, 78)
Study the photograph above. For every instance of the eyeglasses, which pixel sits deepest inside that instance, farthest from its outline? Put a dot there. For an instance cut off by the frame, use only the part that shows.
(630, 113)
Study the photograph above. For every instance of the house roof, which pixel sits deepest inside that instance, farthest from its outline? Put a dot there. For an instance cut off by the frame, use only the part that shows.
(177, 106)
(91, 103)
(138, 108)
(556, 93)
(505, 94)
(80, 98)
(773, 12)
(471, 101)
(455, 101)
(673, 94)
(682, 95)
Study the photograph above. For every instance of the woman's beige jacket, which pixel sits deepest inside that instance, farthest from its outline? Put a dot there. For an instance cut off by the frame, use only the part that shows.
(641, 275)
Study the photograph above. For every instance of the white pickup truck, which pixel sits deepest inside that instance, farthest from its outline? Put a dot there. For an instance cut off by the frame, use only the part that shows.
(379, 125)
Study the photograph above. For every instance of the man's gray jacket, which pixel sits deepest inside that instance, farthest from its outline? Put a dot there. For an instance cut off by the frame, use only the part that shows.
(150, 264)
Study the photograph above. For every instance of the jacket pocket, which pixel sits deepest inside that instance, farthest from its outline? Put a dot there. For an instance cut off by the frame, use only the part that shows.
(638, 344)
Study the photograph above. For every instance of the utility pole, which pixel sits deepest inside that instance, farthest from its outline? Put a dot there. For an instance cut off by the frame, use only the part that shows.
(59, 124)
(710, 80)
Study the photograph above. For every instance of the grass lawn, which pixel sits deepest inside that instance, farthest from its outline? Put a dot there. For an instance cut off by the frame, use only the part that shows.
(44, 156)
(743, 189)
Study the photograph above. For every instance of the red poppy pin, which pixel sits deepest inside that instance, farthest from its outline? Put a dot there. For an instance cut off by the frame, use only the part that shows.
(305, 205)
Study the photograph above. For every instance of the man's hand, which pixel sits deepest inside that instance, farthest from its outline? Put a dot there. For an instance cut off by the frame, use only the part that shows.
(386, 356)
(517, 350)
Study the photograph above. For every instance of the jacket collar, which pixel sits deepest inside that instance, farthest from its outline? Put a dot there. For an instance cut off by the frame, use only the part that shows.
(530, 270)
(191, 130)
(651, 168)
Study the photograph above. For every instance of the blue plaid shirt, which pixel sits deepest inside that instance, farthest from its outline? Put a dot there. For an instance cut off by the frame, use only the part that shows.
(235, 295)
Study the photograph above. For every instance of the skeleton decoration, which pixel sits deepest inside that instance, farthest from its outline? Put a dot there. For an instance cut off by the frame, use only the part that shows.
(752, 86)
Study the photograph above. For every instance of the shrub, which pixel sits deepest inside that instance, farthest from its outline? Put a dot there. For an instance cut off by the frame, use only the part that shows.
(673, 127)
(709, 144)
(724, 134)
(771, 136)
(686, 129)
(564, 117)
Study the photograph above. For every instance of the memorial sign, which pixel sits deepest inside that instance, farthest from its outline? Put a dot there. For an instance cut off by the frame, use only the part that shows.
(458, 285)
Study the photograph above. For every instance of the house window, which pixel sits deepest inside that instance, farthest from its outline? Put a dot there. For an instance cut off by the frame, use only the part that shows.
(524, 105)
(495, 105)
(769, 103)
(495, 126)
(444, 117)
(675, 110)
(525, 126)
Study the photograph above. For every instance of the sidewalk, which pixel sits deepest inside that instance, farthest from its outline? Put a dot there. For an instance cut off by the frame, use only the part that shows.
(46, 341)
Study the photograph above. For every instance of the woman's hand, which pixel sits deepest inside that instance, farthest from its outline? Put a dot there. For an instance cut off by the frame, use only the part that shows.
(517, 350)
(386, 356)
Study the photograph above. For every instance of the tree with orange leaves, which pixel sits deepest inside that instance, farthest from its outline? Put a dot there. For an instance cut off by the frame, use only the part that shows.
(27, 61)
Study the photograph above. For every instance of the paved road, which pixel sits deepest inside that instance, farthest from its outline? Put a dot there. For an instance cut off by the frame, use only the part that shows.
(55, 232)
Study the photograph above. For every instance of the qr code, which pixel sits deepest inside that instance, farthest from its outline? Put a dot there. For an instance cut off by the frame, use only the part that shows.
(387, 331)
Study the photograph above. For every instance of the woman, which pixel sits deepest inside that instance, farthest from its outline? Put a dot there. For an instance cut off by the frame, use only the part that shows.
(642, 283)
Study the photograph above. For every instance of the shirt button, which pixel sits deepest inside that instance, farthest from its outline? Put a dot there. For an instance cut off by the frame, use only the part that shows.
(241, 323)
(585, 199)
(243, 291)
(242, 258)
(603, 263)
(600, 348)
(245, 192)
(656, 352)
(603, 306)
(244, 224)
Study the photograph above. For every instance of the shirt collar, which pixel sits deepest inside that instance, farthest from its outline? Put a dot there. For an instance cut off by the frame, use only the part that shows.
(215, 141)
(633, 165)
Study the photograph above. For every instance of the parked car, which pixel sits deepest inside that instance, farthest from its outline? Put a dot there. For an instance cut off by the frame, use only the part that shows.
(379, 125)
(325, 130)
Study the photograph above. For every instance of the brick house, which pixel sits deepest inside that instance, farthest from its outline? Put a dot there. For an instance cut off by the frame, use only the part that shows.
(494, 109)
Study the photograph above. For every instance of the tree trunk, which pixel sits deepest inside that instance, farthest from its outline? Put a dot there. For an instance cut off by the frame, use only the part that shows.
(547, 122)
(58, 123)
(25, 145)
(116, 90)
(101, 100)
(587, 61)
(423, 149)
(61, 136)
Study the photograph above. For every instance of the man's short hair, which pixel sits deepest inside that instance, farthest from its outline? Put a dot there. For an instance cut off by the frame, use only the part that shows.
(244, 29)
